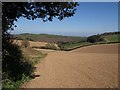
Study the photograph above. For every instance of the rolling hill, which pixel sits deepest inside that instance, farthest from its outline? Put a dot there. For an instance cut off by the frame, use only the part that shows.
(68, 42)
(49, 38)
(112, 38)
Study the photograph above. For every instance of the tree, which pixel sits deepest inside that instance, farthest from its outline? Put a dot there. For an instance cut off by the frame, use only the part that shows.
(94, 38)
(12, 11)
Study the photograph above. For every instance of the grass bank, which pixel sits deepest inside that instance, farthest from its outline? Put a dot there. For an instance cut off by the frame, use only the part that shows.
(73, 45)
(106, 38)
(32, 57)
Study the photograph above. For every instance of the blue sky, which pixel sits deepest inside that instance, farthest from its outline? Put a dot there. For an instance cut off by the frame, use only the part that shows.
(90, 18)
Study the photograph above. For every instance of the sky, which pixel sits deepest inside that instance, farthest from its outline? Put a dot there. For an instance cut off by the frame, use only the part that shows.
(90, 18)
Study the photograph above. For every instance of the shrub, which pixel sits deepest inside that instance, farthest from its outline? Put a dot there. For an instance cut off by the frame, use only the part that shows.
(25, 43)
(61, 44)
(14, 66)
(94, 38)
(51, 46)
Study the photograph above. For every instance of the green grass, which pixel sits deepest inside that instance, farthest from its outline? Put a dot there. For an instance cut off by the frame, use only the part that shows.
(12, 85)
(115, 38)
(112, 38)
(37, 59)
(30, 55)
(71, 46)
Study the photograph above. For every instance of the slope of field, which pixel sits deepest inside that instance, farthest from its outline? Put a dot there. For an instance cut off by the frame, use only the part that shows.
(110, 49)
(32, 55)
(112, 38)
(88, 67)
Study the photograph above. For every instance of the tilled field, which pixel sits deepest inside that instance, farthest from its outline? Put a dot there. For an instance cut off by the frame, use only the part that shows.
(88, 67)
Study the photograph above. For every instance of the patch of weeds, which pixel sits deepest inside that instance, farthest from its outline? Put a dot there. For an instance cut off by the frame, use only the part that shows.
(13, 85)
(36, 59)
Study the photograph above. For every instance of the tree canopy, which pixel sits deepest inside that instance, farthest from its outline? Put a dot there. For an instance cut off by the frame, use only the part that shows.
(44, 10)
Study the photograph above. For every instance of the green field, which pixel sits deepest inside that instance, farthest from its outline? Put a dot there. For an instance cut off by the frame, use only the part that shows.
(112, 38)
(108, 38)
(71, 46)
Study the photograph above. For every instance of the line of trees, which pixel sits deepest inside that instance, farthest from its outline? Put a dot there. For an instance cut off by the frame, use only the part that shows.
(111, 33)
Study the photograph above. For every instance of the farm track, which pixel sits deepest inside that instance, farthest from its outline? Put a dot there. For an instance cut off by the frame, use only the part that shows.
(88, 67)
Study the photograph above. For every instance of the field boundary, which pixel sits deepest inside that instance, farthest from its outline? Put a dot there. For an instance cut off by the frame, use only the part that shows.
(70, 49)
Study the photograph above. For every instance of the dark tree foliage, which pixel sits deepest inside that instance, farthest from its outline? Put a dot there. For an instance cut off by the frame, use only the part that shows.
(12, 11)
(14, 64)
(94, 38)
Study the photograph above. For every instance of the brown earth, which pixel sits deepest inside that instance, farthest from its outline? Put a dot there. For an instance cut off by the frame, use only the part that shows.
(88, 67)
(32, 43)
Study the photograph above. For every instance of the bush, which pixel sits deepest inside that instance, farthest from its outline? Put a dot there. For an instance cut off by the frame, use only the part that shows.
(10, 84)
(94, 38)
(61, 44)
(25, 43)
(14, 66)
(51, 46)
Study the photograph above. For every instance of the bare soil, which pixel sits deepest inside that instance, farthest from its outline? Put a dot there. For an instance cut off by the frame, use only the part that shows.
(32, 43)
(88, 67)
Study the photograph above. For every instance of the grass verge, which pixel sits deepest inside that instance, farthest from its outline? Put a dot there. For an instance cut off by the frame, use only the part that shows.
(14, 85)
(31, 56)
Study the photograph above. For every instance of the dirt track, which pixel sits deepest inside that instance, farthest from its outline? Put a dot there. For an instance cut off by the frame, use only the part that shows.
(87, 67)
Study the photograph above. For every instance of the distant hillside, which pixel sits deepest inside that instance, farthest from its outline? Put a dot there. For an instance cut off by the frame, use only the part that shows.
(109, 37)
(112, 38)
(67, 43)
(111, 33)
(49, 38)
